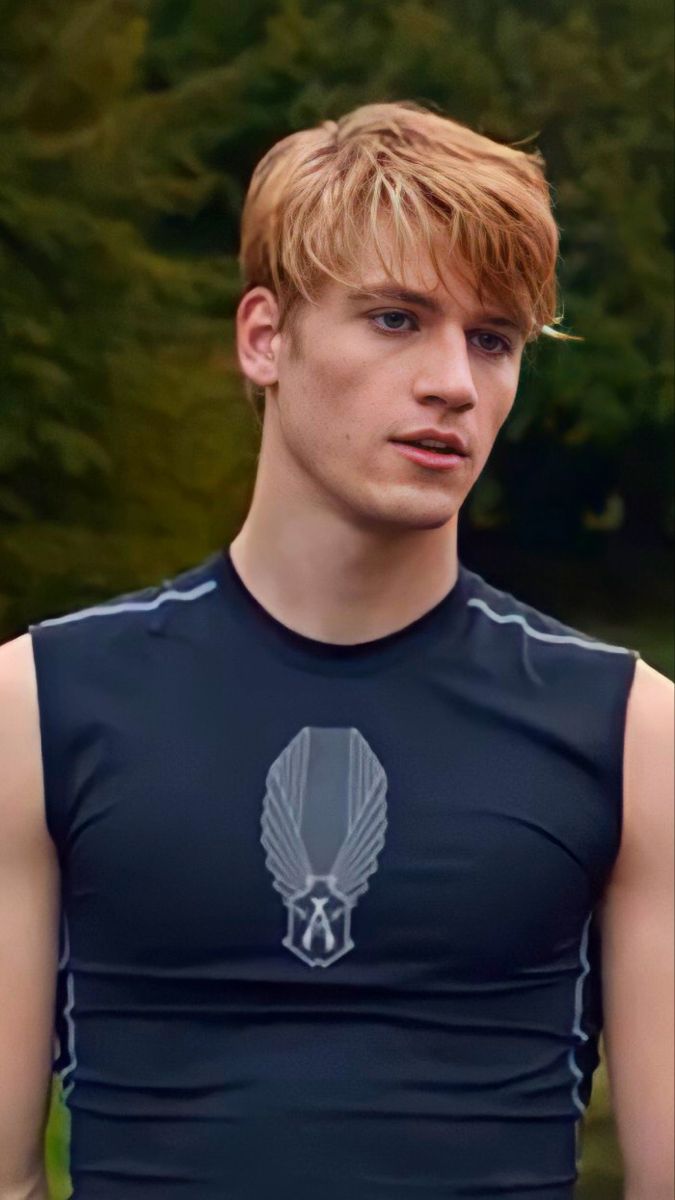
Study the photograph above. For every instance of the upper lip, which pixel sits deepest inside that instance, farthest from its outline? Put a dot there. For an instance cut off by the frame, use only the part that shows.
(439, 435)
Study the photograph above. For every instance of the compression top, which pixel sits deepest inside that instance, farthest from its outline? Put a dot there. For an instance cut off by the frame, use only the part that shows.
(329, 911)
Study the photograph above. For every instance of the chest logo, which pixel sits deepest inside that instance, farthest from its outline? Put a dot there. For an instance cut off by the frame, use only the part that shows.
(323, 825)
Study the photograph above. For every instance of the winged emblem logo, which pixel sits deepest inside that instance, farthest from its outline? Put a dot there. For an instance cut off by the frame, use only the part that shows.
(323, 826)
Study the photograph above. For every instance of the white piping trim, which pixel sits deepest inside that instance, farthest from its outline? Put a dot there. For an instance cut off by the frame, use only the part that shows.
(578, 1009)
(105, 610)
(565, 639)
(69, 1020)
(65, 953)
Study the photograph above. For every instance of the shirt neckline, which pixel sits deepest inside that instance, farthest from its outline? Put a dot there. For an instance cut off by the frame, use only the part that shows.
(332, 657)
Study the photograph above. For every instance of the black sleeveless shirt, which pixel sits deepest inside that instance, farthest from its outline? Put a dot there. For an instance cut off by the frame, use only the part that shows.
(329, 912)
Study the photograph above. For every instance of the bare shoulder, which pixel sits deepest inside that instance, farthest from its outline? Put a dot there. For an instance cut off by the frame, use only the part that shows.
(649, 754)
(17, 668)
(21, 784)
(651, 688)
(29, 918)
(638, 925)
(649, 716)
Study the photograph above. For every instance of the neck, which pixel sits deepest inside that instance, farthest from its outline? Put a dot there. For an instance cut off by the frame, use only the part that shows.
(334, 580)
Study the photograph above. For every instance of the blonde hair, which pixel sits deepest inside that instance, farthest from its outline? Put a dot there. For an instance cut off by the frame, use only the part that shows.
(318, 194)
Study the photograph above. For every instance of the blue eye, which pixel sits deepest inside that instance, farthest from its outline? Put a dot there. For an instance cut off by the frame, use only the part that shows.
(497, 346)
(400, 316)
(495, 351)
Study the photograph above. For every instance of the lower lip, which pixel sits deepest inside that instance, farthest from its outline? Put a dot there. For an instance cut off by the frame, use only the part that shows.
(430, 458)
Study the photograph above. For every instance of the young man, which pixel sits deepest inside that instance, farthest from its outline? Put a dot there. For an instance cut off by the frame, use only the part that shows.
(356, 852)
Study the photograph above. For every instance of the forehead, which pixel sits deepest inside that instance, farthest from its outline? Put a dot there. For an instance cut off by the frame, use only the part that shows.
(410, 262)
(374, 269)
(455, 295)
(410, 267)
(411, 277)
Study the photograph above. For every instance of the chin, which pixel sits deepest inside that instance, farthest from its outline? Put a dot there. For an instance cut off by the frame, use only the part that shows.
(379, 508)
(406, 515)
(428, 522)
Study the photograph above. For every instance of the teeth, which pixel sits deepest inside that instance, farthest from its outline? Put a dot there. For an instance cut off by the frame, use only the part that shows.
(433, 444)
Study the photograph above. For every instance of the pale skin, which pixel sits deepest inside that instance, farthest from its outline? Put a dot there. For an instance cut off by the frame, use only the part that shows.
(346, 540)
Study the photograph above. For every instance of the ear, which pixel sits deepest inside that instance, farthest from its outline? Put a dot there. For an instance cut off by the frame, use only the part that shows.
(257, 344)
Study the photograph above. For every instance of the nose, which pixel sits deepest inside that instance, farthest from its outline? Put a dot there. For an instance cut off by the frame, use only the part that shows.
(445, 374)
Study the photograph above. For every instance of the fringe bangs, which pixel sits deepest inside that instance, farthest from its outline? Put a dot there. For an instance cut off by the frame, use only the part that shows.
(319, 195)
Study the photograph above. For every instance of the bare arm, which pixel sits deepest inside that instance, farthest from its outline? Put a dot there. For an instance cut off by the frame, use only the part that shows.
(638, 972)
(29, 914)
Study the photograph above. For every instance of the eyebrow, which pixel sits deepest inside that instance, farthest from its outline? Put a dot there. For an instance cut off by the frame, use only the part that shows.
(424, 301)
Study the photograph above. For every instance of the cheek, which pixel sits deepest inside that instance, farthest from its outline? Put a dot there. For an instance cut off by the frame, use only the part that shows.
(493, 410)
(503, 395)
(504, 411)
(340, 395)
(319, 413)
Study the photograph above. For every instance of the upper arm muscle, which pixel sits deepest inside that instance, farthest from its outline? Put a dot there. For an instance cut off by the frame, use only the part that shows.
(28, 925)
(637, 927)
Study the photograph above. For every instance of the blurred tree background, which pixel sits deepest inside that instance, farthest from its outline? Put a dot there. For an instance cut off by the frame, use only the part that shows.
(128, 133)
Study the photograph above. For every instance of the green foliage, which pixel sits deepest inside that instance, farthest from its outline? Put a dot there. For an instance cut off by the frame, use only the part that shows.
(115, 437)
(592, 87)
(128, 132)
